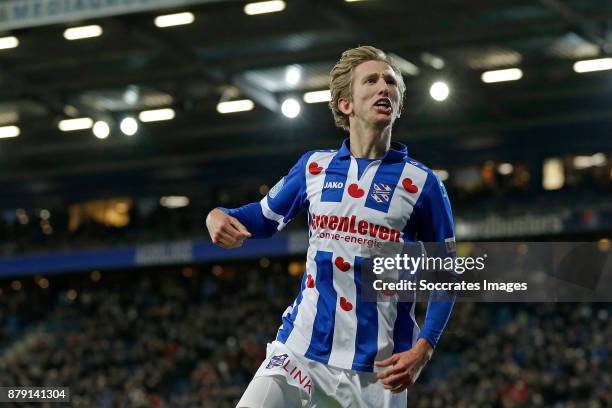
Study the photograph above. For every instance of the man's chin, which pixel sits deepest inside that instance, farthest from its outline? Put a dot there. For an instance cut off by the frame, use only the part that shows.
(383, 122)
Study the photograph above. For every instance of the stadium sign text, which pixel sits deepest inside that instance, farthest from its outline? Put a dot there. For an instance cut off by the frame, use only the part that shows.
(29, 13)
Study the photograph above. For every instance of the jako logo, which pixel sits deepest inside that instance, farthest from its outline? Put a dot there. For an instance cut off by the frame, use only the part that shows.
(334, 184)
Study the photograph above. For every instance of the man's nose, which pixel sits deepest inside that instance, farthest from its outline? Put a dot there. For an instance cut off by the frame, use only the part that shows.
(383, 87)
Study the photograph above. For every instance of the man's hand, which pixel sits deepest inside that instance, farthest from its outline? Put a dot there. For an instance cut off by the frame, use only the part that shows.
(406, 366)
(225, 230)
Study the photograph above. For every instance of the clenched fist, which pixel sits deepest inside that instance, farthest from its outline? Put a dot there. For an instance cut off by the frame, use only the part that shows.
(405, 366)
(225, 230)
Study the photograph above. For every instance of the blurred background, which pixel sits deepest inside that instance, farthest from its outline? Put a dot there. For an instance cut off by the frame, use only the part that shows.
(123, 123)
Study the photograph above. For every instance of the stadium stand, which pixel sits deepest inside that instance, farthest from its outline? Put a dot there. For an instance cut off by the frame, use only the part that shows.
(173, 337)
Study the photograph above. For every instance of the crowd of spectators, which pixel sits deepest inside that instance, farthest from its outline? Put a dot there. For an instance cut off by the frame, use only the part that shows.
(27, 235)
(24, 231)
(522, 355)
(192, 337)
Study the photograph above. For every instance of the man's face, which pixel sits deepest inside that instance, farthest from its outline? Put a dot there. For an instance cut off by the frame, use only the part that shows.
(376, 98)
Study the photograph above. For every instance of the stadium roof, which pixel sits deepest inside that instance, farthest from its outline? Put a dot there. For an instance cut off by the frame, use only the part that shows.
(226, 54)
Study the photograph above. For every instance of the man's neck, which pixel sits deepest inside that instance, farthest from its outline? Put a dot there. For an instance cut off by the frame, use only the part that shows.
(370, 143)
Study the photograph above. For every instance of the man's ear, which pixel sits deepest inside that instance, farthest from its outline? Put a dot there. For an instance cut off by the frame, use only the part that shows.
(345, 106)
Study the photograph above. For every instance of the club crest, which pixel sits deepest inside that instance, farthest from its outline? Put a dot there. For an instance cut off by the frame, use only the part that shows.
(277, 361)
(381, 192)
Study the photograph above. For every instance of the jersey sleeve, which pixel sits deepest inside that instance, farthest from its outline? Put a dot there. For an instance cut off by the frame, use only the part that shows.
(435, 215)
(288, 196)
(251, 216)
(435, 226)
(282, 203)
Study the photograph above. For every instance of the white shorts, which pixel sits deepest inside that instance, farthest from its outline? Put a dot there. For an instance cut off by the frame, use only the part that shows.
(285, 380)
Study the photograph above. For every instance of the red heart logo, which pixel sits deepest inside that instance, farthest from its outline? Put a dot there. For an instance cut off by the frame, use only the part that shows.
(341, 264)
(354, 191)
(345, 304)
(314, 168)
(310, 282)
(411, 188)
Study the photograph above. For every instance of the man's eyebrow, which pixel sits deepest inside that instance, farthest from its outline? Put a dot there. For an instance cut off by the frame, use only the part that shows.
(370, 75)
(386, 75)
(389, 75)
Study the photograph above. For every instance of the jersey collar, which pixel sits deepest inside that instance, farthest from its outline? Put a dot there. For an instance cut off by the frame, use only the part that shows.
(396, 153)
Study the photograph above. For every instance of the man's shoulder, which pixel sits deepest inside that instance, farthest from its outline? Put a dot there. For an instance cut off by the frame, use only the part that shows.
(431, 177)
(312, 157)
(418, 164)
(431, 180)
(322, 151)
(318, 153)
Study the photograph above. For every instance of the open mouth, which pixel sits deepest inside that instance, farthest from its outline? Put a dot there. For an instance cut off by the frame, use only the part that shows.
(383, 106)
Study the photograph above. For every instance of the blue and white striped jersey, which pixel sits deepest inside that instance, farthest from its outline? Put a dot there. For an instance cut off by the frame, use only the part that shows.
(350, 218)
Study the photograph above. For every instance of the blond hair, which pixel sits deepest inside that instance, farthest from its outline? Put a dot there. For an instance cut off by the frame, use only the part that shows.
(341, 78)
